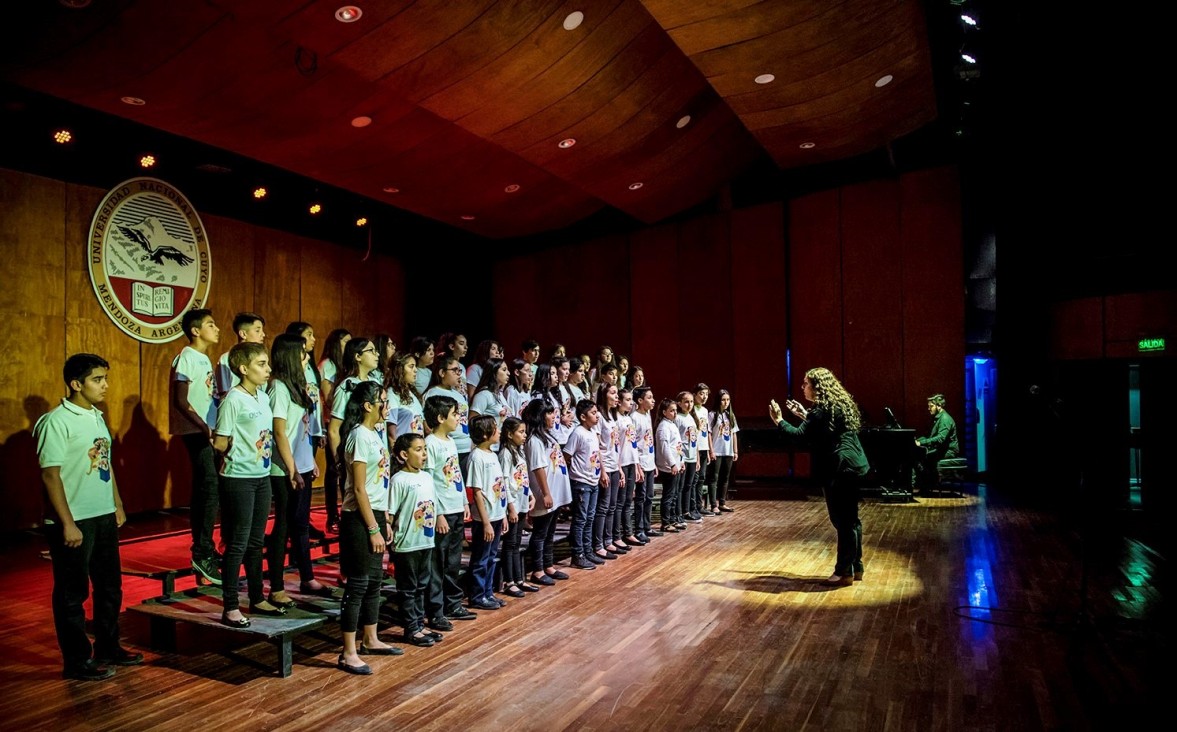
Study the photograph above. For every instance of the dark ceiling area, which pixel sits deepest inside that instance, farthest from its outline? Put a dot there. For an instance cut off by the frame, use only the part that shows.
(462, 107)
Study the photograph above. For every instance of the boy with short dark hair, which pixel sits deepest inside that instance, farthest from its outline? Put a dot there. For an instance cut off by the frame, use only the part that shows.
(193, 414)
(250, 328)
(73, 448)
(444, 599)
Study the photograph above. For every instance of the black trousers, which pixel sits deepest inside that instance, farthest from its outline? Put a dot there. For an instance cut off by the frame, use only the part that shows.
(719, 473)
(541, 549)
(245, 506)
(510, 558)
(298, 521)
(412, 585)
(445, 593)
(364, 570)
(331, 489)
(204, 503)
(842, 504)
(95, 562)
(623, 524)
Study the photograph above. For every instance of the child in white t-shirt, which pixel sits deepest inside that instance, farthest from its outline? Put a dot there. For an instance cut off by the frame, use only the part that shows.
(668, 457)
(513, 462)
(413, 508)
(484, 476)
(583, 452)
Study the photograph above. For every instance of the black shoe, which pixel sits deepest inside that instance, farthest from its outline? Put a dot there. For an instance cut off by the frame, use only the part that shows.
(727, 509)
(424, 641)
(332, 526)
(582, 563)
(665, 530)
(618, 549)
(607, 555)
(323, 591)
(274, 612)
(239, 624)
(120, 657)
(513, 591)
(592, 557)
(89, 670)
(440, 623)
(543, 579)
(389, 651)
(461, 613)
(484, 604)
(557, 574)
(208, 569)
(437, 637)
(284, 605)
(633, 541)
(526, 587)
(316, 533)
(364, 670)
(650, 533)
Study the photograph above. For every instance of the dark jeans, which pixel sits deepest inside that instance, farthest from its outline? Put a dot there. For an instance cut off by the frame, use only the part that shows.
(511, 559)
(643, 503)
(842, 504)
(364, 569)
(445, 594)
(606, 508)
(719, 472)
(280, 490)
(245, 507)
(412, 584)
(483, 555)
(703, 496)
(686, 491)
(95, 562)
(623, 524)
(584, 504)
(298, 521)
(541, 549)
(670, 489)
(203, 509)
(331, 489)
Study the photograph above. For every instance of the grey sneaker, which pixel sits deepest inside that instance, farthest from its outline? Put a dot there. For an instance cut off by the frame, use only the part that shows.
(208, 569)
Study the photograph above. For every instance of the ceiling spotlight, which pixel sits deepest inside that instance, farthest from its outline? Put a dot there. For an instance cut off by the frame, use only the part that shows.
(361, 221)
(390, 189)
(259, 193)
(467, 217)
(884, 80)
(567, 143)
(147, 161)
(513, 188)
(635, 186)
(765, 79)
(573, 21)
(968, 20)
(683, 121)
(807, 145)
(314, 209)
(348, 14)
(133, 101)
(968, 58)
(62, 137)
(361, 121)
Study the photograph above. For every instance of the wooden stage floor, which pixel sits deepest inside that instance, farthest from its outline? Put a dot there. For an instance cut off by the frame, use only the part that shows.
(969, 618)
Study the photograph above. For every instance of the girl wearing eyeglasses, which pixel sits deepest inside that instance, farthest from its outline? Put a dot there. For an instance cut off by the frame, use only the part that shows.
(447, 380)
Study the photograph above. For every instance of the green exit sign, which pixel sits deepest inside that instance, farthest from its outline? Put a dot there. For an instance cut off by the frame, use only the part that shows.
(1147, 345)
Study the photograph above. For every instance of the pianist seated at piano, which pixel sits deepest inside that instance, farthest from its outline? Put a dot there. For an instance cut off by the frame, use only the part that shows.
(940, 444)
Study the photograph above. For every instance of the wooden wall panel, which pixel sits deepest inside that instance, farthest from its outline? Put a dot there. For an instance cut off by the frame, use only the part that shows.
(933, 293)
(872, 300)
(278, 268)
(705, 301)
(321, 303)
(232, 288)
(759, 317)
(32, 302)
(390, 279)
(815, 285)
(654, 312)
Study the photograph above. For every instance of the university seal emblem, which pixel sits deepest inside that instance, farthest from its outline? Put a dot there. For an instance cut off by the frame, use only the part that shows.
(149, 259)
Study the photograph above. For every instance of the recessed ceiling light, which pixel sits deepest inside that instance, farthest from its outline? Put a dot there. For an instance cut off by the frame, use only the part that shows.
(259, 193)
(573, 21)
(807, 145)
(315, 209)
(567, 143)
(361, 221)
(968, 19)
(968, 58)
(467, 217)
(884, 80)
(133, 101)
(348, 14)
(635, 186)
(147, 161)
(361, 121)
(513, 188)
(62, 137)
(683, 121)
(390, 189)
(765, 79)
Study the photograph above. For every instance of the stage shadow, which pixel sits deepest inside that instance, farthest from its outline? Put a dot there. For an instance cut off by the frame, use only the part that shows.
(775, 584)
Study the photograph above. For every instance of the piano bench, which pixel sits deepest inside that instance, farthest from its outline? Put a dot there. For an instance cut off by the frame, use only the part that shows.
(951, 471)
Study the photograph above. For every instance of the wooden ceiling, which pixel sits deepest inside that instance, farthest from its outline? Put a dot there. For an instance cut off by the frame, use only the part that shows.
(470, 97)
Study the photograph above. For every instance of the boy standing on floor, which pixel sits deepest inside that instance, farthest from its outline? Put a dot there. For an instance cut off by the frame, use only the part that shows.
(250, 328)
(192, 415)
(443, 602)
(73, 447)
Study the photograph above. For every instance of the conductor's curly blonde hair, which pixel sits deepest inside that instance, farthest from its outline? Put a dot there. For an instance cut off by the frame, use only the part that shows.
(832, 397)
